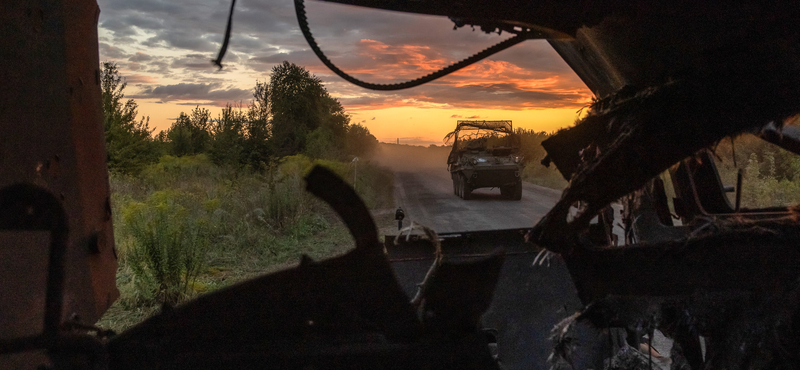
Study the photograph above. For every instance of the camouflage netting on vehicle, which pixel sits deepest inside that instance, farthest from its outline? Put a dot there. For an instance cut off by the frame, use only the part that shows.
(479, 135)
(491, 127)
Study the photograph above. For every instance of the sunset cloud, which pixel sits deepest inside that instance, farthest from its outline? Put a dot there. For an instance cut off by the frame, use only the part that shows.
(137, 79)
(164, 47)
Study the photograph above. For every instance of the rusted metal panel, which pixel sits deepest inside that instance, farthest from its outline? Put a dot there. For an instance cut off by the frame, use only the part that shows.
(23, 308)
(52, 136)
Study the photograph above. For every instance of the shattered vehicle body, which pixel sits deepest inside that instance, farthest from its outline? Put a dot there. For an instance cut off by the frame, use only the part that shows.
(485, 154)
(671, 80)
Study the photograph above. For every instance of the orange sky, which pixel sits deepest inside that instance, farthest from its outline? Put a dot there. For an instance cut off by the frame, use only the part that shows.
(416, 126)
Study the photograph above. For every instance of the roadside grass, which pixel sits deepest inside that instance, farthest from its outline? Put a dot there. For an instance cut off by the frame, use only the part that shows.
(762, 186)
(186, 227)
(548, 177)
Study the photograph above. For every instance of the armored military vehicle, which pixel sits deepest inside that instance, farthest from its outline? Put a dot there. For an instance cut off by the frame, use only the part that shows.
(485, 155)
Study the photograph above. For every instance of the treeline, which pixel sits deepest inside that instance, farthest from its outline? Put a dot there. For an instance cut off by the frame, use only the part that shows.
(532, 153)
(290, 114)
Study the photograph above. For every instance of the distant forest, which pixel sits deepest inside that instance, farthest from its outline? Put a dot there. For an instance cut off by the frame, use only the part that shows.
(291, 114)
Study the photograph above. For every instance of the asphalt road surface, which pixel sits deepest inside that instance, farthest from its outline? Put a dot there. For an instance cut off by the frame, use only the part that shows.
(426, 196)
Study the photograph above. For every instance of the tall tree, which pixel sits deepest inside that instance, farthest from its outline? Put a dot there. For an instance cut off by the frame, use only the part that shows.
(360, 142)
(258, 128)
(228, 136)
(299, 104)
(128, 142)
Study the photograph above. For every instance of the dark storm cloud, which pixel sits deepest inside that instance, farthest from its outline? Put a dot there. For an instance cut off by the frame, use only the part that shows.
(193, 92)
(182, 40)
(140, 57)
(273, 58)
(160, 67)
(263, 61)
(452, 94)
(200, 62)
(109, 51)
(374, 101)
(119, 27)
(505, 96)
(126, 25)
(146, 6)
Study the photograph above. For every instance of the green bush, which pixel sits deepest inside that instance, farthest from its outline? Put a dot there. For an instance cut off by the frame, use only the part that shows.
(129, 145)
(771, 174)
(184, 213)
(761, 187)
(167, 248)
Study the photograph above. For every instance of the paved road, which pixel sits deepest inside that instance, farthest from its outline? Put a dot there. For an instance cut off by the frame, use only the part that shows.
(426, 196)
(528, 299)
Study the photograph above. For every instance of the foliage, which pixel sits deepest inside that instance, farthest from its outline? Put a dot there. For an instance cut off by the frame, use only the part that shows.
(258, 128)
(532, 153)
(531, 149)
(190, 134)
(360, 142)
(292, 113)
(167, 248)
(771, 174)
(548, 177)
(299, 104)
(322, 143)
(186, 225)
(128, 143)
(228, 136)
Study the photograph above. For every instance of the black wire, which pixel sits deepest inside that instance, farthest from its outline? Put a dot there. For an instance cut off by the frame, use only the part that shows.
(218, 61)
(303, 21)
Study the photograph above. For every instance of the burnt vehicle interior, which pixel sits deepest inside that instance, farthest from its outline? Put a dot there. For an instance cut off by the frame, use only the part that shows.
(671, 81)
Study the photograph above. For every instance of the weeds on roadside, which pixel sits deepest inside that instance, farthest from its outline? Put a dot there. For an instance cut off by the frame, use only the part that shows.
(186, 226)
(548, 177)
(167, 249)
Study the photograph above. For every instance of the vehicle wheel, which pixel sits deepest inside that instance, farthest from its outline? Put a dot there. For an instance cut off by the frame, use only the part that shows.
(504, 192)
(466, 189)
(455, 186)
(517, 191)
(458, 185)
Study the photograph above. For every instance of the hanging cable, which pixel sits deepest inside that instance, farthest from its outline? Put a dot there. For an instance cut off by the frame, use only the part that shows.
(303, 21)
(224, 48)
